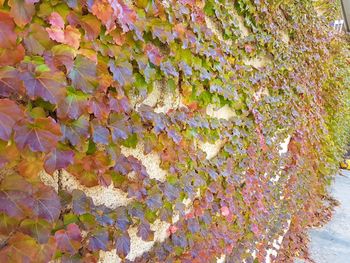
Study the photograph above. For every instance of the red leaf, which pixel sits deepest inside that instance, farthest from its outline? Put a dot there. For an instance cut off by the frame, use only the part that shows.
(69, 240)
(7, 31)
(72, 37)
(20, 248)
(89, 23)
(10, 57)
(103, 11)
(48, 85)
(22, 11)
(10, 113)
(58, 159)
(42, 134)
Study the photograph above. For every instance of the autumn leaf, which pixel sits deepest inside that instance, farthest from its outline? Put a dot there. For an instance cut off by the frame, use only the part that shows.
(22, 11)
(10, 113)
(122, 72)
(153, 54)
(41, 134)
(56, 20)
(47, 85)
(83, 74)
(15, 196)
(69, 240)
(20, 248)
(76, 131)
(72, 37)
(30, 165)
(8, 36)
(37, 228)
(11, 56)
(98, 240)
(122, 244)
(103, 11)
(46, 203)
(58, 159)
(74, 104)
(126, 17)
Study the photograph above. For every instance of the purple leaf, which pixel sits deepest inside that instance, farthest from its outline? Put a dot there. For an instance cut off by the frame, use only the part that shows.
(10, 113)
(122, 72)
(98, 240)
(100, 134)
(145, 232)
(46, 203)
(50, 86)
(122, 244)
(41, 134)
(58, 159)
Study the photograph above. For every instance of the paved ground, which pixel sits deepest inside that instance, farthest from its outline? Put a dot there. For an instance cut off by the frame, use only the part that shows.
(331, 243)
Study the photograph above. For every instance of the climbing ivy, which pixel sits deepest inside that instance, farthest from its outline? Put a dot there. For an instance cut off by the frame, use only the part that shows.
(73, 76)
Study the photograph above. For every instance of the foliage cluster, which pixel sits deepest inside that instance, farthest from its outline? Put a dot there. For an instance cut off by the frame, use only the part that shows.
(69, 75)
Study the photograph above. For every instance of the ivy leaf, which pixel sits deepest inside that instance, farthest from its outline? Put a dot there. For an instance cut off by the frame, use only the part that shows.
(58, 159)
(123, 221)
(37, 40)
(10, 113)
(119, 127)
(10, 82)
(122, 244)
(72, 37)
(48, 85)
(103, 11)
(145, 232)
(63, 55)
(168, 68)
(8, 36)
(100, 134)
(10, 57)
(56, 20)
(20, 248)
(153, 54)
(46, 203)
(76, 131)
(15, 196)
(41, 134)
(83, 74)
(69, 240)
(99, 107)
(81, 203)
(98, 240)
(122, 72)
(89, 23)
(125, 16)
(22, 11)
(30, 165)
(36, 228)
(73, 105)
(7, 225)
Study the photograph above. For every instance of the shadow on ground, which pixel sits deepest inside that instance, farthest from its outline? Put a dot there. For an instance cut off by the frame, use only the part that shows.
(331, 243)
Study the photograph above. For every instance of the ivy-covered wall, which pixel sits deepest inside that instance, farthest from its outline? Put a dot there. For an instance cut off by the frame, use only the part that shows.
(166, 131)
